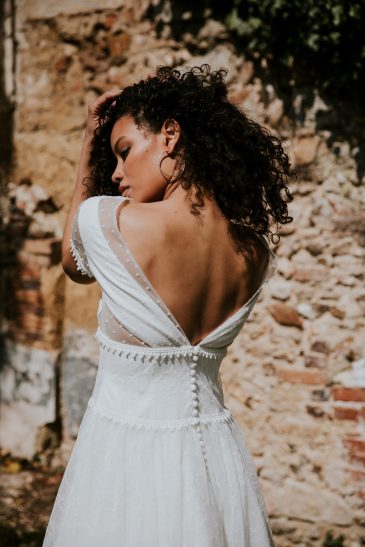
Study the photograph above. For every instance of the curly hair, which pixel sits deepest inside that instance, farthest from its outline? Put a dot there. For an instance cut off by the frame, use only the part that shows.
(221, 152)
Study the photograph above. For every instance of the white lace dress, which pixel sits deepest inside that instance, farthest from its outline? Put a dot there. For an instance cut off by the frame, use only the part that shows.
(159, 460)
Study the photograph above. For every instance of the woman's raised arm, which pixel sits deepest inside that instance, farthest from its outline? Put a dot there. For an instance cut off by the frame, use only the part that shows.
(69, 264)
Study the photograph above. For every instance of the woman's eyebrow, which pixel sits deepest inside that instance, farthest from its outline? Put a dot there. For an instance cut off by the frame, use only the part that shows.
(116, 144)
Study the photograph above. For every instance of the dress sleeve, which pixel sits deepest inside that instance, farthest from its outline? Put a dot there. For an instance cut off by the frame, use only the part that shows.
(77, 247)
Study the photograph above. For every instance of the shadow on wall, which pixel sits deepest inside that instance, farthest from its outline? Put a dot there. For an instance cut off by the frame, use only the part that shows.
(6, 109)
(6, 137)
(31, 248)
(318, 69)
(33, 285)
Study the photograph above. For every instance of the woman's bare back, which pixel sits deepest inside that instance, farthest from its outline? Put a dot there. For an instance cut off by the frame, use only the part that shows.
(192, 261)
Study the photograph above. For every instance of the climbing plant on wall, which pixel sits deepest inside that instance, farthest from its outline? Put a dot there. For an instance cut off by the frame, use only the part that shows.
(320, 42)
(316, 42)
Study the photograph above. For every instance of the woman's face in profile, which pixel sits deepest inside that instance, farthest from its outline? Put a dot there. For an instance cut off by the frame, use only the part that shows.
(139, 153)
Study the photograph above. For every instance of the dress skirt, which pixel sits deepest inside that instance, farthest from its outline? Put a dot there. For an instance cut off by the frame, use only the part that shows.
(128, 485)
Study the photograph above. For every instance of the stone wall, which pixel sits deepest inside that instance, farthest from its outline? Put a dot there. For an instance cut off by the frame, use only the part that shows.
(295, 376)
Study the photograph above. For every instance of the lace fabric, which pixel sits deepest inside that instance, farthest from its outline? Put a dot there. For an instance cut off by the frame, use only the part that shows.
(77, 248)
(114, 329)
(108, 210)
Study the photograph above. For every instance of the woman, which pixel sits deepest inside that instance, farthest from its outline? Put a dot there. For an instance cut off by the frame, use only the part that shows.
(180, 189)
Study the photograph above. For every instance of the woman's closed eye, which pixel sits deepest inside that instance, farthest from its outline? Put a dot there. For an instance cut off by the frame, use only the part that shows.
(124, 153)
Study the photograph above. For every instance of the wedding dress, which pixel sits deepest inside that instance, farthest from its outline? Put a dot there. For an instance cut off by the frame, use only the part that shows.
(159, 460)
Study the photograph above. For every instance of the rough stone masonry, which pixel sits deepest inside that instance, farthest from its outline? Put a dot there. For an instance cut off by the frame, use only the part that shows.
(295, 376)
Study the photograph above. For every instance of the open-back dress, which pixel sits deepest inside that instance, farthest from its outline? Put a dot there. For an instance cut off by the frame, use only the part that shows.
(159, 460)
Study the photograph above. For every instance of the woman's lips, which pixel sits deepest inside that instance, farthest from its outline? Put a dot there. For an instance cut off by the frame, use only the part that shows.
(123, 189)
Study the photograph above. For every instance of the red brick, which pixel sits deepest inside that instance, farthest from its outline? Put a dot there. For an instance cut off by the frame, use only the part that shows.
(31, 296)
(346, 412)
(340, 393)
(311, 377)
(358, 475)
(25, 308)
(29, 270)
(358, 458)
(110, 19)
(355, 444)
(26, 284)
(30, 321)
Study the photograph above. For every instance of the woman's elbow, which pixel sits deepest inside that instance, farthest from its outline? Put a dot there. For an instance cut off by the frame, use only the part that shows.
(76, 275)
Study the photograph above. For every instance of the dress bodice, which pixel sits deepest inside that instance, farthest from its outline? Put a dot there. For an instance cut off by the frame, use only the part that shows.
(130, 310)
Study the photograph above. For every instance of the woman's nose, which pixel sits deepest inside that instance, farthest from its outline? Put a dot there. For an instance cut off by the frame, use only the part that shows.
(118, 174)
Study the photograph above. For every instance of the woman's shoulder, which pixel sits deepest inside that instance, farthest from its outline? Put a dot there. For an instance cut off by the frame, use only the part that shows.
(144, 222)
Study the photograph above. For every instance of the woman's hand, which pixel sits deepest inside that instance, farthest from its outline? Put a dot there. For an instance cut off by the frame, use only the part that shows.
(94, 109)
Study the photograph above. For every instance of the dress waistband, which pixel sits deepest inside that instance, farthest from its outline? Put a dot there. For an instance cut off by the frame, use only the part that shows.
(130, 350)
(166, 425)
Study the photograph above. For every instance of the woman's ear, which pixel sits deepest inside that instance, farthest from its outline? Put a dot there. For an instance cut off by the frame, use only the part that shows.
(171, 134)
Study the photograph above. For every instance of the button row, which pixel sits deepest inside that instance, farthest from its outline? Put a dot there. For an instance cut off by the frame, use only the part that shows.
(195, 402)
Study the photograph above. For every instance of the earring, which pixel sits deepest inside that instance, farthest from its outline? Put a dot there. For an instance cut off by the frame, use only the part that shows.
(180, 163)
(166, 177)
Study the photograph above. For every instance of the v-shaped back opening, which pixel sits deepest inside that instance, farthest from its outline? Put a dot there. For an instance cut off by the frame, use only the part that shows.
(140, 276)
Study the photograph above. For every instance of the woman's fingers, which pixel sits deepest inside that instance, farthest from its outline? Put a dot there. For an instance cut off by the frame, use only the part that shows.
(95, 109)
(109, 95)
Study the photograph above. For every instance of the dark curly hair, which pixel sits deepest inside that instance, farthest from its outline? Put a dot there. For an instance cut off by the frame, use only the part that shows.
(221, 152)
